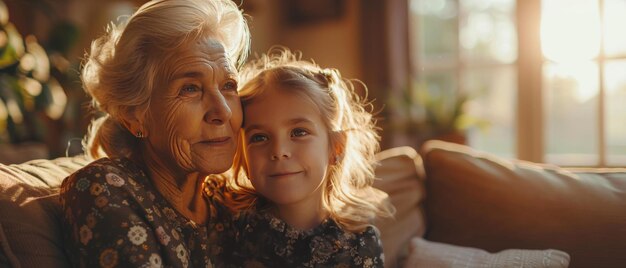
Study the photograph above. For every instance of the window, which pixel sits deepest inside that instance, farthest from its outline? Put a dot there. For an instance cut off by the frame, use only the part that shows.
(584, 81)
(470, 47)
(550, 76)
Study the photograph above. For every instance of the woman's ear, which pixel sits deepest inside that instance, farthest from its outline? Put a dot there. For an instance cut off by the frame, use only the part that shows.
(337, 146)
(133, 120)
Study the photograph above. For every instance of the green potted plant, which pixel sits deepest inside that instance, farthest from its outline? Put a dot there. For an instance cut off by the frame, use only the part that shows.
(30, 98)
(423, 113)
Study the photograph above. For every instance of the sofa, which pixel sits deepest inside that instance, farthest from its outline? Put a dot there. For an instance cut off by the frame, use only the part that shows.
(456, 207)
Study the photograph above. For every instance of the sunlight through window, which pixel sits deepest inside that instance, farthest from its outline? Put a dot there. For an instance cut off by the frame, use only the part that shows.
(583, 85)
(570, 30)
(615, 19)
(568, 58)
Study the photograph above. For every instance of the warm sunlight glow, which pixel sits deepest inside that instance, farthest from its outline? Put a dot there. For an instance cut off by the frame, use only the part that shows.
(615, 19)
(570, 30)
(579, 79)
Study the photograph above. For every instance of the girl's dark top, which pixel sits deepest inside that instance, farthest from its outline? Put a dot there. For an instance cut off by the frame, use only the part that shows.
(266, 241)
(115, 217)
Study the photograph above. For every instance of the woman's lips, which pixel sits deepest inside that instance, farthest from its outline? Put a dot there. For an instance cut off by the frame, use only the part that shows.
(216, 141)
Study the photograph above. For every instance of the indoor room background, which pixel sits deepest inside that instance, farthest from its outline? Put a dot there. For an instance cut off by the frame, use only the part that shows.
(538, 80)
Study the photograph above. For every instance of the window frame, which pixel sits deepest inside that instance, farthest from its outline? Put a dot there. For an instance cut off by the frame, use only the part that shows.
(530, 118)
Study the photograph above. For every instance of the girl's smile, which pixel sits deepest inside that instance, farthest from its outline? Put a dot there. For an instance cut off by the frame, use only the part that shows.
(287, 146)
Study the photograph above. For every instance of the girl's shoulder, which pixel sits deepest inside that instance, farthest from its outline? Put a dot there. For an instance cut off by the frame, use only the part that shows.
(369, 234)
(360, 248)
(370, 230)
(277, 244)
(266, 222)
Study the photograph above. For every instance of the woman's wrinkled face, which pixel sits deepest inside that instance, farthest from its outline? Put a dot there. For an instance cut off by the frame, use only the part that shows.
(194, 118)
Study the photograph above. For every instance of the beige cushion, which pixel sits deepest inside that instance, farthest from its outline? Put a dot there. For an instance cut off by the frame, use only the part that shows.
(400, 174)
(30, 210)
(483, 201)
(438, 255)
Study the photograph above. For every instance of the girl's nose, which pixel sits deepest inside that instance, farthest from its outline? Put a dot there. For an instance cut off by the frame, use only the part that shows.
(280, 152)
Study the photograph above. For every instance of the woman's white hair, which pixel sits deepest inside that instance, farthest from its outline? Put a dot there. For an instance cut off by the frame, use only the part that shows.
(123, 66)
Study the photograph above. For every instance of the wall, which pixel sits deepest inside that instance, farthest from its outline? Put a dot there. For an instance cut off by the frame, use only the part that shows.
(331, 42)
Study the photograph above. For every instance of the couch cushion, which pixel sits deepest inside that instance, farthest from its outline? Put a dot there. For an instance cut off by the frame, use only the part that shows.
(479, 200)
(429, 254)
(400, 174)
(30, 210)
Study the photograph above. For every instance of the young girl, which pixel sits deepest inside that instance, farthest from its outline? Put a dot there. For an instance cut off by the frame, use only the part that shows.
(307, 152)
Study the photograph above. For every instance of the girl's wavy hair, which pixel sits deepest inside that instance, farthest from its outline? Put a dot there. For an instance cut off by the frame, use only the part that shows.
(348, 194)
(130, 60)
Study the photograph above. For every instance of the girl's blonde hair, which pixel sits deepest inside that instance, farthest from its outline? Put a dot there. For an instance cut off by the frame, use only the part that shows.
(130, 60)
(348, 194)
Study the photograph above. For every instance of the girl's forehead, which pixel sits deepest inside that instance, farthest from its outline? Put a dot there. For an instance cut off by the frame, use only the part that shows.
(277, 106)
(275, 94)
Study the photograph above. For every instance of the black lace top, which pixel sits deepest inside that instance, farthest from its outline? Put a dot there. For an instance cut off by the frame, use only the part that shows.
(266, 241)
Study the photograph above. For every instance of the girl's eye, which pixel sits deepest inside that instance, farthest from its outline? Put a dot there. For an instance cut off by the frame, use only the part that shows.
(298, 132)
(189, 89)
(258, 138)
(230, 86)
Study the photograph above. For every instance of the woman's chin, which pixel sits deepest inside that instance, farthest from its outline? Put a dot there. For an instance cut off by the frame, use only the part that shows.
(213, 163)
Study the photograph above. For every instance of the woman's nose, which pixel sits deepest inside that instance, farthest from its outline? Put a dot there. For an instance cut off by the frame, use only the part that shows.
(218, 112)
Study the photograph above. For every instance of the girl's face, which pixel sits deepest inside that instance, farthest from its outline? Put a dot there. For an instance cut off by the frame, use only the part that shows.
(286, 147)
(193, 120)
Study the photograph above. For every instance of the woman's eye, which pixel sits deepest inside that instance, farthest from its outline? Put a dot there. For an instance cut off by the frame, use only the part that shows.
(298, 132)
(230, 86)
(187, 89)
(257, 138)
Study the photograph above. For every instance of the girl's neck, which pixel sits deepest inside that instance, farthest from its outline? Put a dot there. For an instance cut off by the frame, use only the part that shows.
(302, 216)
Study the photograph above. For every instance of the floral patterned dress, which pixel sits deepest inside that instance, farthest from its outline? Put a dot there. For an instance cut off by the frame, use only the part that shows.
(115, 217)
(261, 240)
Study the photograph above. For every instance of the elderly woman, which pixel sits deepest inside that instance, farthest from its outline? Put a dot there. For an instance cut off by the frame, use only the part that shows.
(167, 81)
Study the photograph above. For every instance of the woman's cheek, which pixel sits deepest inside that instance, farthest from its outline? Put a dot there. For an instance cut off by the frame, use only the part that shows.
(183, 155)
(179, 146)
